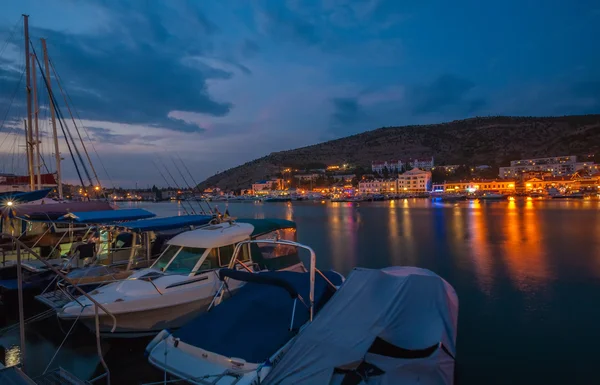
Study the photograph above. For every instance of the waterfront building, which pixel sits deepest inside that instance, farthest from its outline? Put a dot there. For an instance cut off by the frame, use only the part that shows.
(425, 164)
(394, 166)
(378, 186)
(414, 181)
(556, 166)
(264, 185)
(503, 186)
(541, 185)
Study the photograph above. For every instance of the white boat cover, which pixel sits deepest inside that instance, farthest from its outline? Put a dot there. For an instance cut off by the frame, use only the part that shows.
(391, 326)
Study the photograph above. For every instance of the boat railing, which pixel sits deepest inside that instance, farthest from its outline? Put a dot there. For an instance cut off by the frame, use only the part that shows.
(312, 269)
(20, 245)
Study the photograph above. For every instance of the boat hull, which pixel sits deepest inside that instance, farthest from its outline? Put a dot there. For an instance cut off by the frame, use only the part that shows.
(147, 322)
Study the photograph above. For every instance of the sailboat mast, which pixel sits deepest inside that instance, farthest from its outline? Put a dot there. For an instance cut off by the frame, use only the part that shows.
(38, 158)
(53, 117)
(28, 82)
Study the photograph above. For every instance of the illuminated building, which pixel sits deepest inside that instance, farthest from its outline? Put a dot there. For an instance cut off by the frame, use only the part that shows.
(504, 186)
(415, 180)
(555, 166)
(376, 186)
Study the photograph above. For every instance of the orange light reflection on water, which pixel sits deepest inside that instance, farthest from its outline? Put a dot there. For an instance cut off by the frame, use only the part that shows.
(480, 246)
(523, 249)
(343, 226)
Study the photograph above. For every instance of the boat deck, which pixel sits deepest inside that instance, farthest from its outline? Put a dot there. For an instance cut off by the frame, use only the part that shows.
(56, 299)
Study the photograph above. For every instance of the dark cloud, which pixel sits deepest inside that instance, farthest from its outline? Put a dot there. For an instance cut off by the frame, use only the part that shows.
(104, 135)
(448, 93)
(140, 67)
(281, 22)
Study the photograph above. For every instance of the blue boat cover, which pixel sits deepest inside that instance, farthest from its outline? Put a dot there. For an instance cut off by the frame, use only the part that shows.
(168, 223)
(108, 216)
(254, 323)
(22, 197)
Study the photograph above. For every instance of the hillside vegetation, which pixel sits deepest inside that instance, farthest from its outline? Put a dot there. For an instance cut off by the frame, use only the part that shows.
(490, 140)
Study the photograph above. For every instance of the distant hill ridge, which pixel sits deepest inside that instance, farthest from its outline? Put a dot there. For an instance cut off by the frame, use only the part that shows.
(485, 140)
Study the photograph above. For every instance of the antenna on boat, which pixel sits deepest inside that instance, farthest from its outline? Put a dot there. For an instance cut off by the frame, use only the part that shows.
(29, 133)
(36, 112)
(53, 118)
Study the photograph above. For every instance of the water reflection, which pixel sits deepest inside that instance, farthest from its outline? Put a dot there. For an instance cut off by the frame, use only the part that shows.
(480, 247)
(523, 249)
(342, 229)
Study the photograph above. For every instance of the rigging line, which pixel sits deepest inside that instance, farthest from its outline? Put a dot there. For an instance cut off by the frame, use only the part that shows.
(12, 100)
(194, 181)
(177, 185)
(187, 184)
(175, 182)
(13, 30)
(77, 130)
(167, 182)
(84, 128)
(62, 127)
(60, 121)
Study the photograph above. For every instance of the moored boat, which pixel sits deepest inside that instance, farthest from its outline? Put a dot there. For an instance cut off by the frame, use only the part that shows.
(250, 331)
(182, 281)
(407, 335)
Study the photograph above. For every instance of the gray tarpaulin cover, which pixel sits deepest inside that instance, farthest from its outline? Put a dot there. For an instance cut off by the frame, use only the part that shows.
(391, 326)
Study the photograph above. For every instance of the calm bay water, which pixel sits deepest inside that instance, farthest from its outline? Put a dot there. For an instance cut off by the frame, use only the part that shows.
(527, 274)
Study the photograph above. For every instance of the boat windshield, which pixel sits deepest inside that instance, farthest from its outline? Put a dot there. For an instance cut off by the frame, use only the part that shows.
(178, 260)
(164, 259)
(185, 260)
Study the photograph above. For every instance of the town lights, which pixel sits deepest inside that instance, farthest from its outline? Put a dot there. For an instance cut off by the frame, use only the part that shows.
(97, 188)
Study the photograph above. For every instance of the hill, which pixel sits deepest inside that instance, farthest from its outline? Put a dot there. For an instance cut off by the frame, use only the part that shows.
(489, 140)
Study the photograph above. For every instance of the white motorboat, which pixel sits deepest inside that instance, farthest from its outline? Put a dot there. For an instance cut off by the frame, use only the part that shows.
(240, 340)
(182, 281)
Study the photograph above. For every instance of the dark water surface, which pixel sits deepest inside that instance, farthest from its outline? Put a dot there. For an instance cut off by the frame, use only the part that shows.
(527, 274)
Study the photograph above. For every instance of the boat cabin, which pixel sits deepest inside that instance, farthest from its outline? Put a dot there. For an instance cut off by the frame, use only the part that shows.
(212, 247)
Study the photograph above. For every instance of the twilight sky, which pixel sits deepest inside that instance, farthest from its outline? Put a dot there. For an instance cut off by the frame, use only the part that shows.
(224, 82)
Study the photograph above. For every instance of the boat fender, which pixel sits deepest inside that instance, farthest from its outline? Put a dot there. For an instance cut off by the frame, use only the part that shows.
(163, 335)
(176, 342)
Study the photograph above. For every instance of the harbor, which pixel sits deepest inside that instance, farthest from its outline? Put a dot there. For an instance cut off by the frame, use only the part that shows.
(503, 258)
(298, 193)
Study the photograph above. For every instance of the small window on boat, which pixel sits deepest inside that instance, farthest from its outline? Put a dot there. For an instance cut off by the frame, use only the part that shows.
(211, 261)
(185, 260)
(165, 257)
(225, 255)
